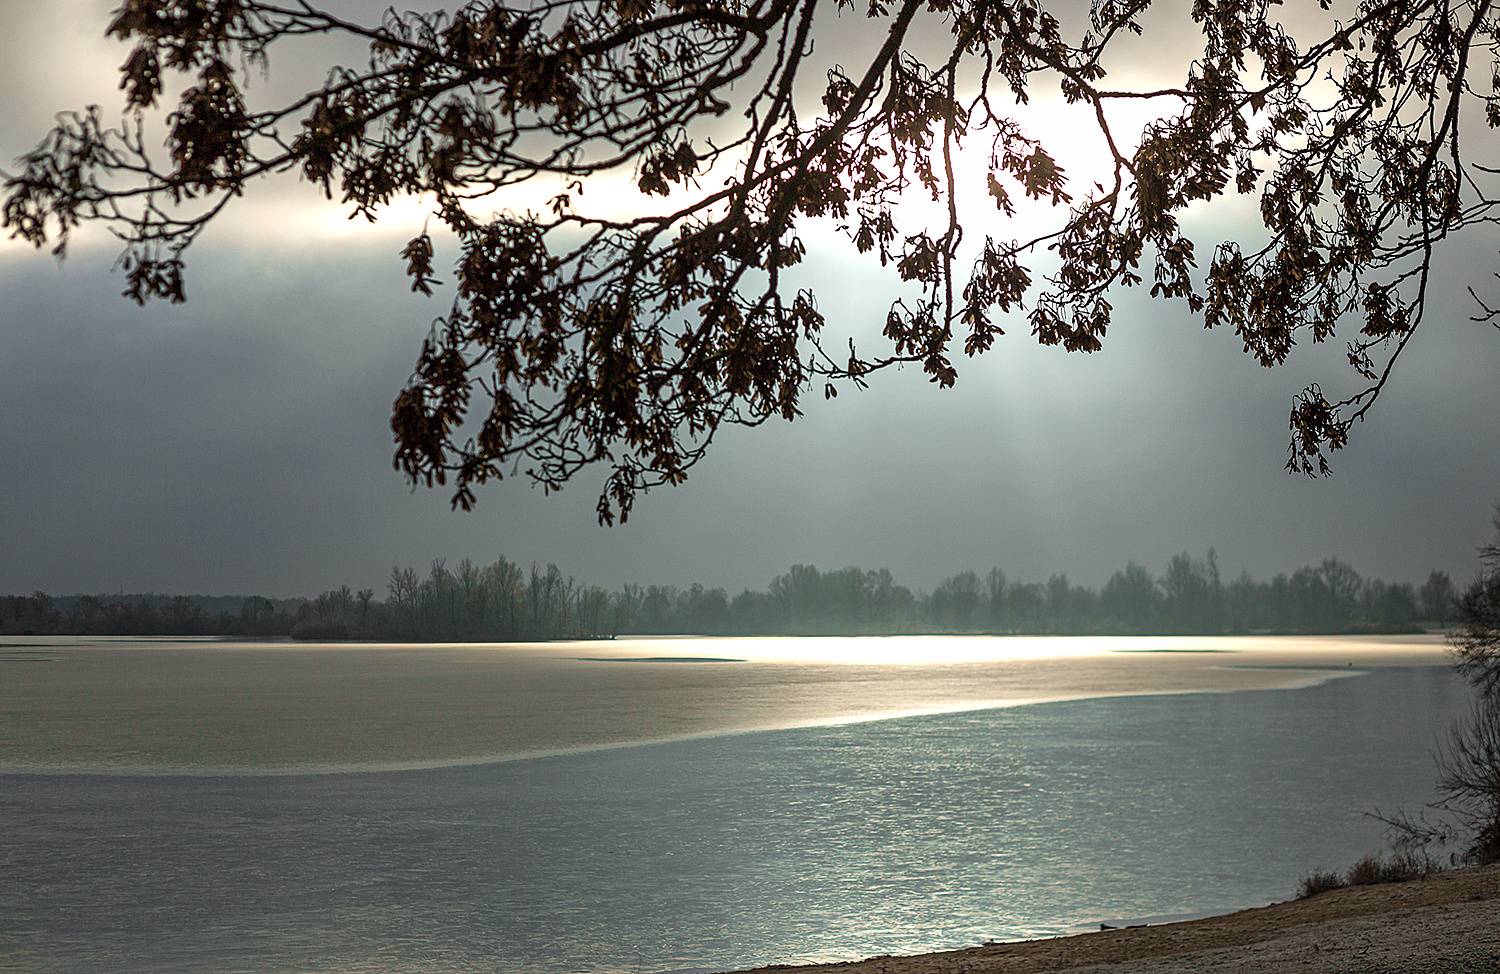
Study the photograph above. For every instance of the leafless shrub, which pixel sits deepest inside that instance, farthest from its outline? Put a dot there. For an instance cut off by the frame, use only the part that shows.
(1318, 882)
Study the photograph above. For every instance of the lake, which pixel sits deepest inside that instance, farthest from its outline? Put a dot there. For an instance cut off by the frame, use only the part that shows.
(733, 842)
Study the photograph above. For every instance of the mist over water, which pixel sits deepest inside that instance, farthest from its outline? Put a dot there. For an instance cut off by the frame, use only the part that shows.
(789, 846)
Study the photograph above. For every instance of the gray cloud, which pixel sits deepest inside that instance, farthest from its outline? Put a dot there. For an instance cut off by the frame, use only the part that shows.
(239, 443)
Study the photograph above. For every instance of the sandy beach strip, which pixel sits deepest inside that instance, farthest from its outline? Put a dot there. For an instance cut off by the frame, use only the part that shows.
(142, 705)
(1446, 924)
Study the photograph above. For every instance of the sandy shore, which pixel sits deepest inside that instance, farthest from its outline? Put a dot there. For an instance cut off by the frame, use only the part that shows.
(1448, 924)
(192, 705)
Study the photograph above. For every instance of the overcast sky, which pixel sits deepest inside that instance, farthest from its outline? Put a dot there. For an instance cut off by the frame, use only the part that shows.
(239, 444)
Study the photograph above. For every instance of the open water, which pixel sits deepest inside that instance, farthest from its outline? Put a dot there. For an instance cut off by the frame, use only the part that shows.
(791, 846)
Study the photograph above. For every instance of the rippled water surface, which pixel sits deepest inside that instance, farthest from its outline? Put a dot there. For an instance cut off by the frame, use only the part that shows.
(788, 846)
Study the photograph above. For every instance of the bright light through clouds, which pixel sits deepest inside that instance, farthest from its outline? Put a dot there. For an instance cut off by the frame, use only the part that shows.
(1070, 134)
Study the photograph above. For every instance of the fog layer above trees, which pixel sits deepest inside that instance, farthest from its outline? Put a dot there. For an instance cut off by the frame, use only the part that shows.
(503, 602)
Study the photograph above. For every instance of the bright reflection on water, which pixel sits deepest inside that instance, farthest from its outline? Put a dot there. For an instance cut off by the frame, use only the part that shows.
(940, 650)
(886, 650)
(789, 846)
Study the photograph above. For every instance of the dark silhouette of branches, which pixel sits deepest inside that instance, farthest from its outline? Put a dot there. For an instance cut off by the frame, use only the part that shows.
(579, 336)
(1468, 808)
(1469, 779)
(1470, 763)
(1476, 637)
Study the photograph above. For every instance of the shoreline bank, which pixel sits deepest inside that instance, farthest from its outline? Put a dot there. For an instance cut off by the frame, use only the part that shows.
(1449, 922)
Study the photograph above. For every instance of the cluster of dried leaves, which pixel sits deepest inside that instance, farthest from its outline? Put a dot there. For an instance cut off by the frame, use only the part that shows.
(581, 338)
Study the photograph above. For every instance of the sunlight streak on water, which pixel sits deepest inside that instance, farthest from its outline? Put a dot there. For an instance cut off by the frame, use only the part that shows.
(894, 650)
(940, 650)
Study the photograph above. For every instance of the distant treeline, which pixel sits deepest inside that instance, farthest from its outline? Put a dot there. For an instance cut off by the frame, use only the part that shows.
(147, 614)
(504, 602)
